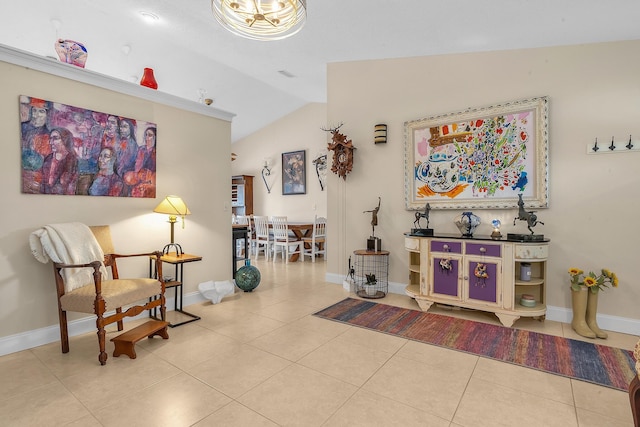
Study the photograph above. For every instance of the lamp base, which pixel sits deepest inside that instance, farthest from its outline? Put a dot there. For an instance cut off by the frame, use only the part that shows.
(177, 247)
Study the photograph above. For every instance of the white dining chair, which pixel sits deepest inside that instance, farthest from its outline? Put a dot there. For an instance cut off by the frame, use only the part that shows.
(262, 241)
(315, 245)
(282, 239)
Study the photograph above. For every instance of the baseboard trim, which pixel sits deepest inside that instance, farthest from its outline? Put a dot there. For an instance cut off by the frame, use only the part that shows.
(557, 314)
(37, 337)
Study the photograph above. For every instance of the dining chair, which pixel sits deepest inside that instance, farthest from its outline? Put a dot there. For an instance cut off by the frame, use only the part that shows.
(315, 245)
(262, 240)
(282, 239)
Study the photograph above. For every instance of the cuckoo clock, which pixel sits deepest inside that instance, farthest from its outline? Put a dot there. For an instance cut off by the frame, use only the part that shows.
(342, 153)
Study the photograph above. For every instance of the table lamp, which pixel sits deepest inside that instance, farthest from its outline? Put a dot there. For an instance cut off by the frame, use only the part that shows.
(173, 206)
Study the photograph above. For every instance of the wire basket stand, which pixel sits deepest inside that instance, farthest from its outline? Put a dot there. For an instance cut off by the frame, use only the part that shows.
(371, 273)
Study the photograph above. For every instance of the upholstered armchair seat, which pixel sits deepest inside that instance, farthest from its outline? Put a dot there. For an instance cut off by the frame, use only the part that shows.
(116, 293)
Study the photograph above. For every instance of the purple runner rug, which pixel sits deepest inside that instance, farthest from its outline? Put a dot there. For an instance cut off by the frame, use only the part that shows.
(598, 364)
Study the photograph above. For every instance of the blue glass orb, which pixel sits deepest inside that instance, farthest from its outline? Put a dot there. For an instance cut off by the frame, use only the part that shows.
(248, 278)
(496, 223)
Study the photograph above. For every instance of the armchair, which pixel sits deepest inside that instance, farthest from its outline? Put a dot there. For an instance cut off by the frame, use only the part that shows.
(105, 294)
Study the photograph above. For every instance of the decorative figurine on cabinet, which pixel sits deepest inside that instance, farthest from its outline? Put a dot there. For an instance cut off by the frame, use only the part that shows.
(531, 219)
(374, 243)
(419, 231)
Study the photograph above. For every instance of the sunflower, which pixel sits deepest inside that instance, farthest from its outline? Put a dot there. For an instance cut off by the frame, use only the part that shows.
(590, 282)
(614, 280)
(575, 271)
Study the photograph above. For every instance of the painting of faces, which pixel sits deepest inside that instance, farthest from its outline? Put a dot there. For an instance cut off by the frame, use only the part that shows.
(73, 151)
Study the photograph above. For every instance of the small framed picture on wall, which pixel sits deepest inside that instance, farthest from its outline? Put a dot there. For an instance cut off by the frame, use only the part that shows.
(294, 173)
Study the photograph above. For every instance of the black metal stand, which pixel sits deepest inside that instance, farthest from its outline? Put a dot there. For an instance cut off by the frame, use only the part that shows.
(175, 284)
(371, 273)
(177, 247)
(239, 232)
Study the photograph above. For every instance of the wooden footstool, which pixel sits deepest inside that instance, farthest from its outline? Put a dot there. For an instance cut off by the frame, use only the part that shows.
(125, 343)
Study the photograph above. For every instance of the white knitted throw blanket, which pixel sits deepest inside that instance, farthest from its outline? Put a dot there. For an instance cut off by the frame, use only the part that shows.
(68, 243)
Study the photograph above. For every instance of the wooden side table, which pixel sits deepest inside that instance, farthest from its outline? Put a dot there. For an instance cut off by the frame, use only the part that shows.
(178, 280)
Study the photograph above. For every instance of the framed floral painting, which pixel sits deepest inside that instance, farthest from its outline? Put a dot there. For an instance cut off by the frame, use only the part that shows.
(480, 158)
(294, 173)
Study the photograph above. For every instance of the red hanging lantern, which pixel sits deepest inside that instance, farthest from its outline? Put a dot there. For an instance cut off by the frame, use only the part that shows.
(148, 79)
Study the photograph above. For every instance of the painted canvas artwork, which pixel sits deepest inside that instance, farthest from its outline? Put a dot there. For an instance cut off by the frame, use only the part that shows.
(74, 151)
(294, 173)
(478, 159)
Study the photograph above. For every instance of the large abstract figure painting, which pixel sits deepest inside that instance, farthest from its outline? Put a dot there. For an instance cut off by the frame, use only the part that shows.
(74, 151)
(482, 158)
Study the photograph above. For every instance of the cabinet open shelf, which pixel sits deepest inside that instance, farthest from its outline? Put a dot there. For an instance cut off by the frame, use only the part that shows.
(535, 281)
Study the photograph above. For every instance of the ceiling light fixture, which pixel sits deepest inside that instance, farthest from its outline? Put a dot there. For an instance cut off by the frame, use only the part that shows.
(261, 19)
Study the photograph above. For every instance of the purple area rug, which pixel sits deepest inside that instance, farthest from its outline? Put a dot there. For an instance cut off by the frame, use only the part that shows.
(598, 364)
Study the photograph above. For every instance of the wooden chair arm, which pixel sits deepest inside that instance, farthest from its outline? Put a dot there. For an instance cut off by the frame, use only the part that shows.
(97, 276)
(93, 264)
(155, 253)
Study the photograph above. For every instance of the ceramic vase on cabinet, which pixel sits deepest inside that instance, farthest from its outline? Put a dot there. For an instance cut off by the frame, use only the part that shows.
(71, 52)
(467, 223)
(148, 79)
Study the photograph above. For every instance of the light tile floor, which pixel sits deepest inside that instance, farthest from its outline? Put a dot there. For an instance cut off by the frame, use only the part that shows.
(262, 359)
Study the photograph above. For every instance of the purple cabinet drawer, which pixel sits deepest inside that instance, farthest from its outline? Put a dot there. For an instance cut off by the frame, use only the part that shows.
(451, 247)
(483, 249)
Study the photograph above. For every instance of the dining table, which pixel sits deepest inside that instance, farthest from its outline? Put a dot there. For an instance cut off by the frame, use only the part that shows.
(300, 229)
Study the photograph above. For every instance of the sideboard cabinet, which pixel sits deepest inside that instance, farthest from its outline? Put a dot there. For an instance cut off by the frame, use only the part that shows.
(479, 273)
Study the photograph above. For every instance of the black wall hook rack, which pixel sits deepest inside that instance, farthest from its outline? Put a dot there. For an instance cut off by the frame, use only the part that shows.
(615, 147)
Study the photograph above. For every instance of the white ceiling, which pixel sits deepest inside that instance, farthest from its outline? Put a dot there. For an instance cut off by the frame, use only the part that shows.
(189, 51)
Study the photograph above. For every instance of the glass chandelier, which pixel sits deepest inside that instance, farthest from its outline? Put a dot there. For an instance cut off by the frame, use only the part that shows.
(261, 19)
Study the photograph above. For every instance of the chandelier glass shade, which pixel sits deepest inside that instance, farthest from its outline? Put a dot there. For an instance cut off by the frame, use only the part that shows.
(261, 19)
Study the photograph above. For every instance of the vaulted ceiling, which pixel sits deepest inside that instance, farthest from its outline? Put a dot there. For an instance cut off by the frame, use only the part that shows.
(262, 81)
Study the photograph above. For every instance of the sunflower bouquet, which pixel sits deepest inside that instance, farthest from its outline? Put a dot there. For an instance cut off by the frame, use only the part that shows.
(592, 281)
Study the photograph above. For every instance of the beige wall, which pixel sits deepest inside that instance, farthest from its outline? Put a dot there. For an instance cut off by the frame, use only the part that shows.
(594, 91)
(299, 130)
(192, 162)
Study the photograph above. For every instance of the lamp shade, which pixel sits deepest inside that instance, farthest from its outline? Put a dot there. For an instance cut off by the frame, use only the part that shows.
(173, 205)
(261, 19)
